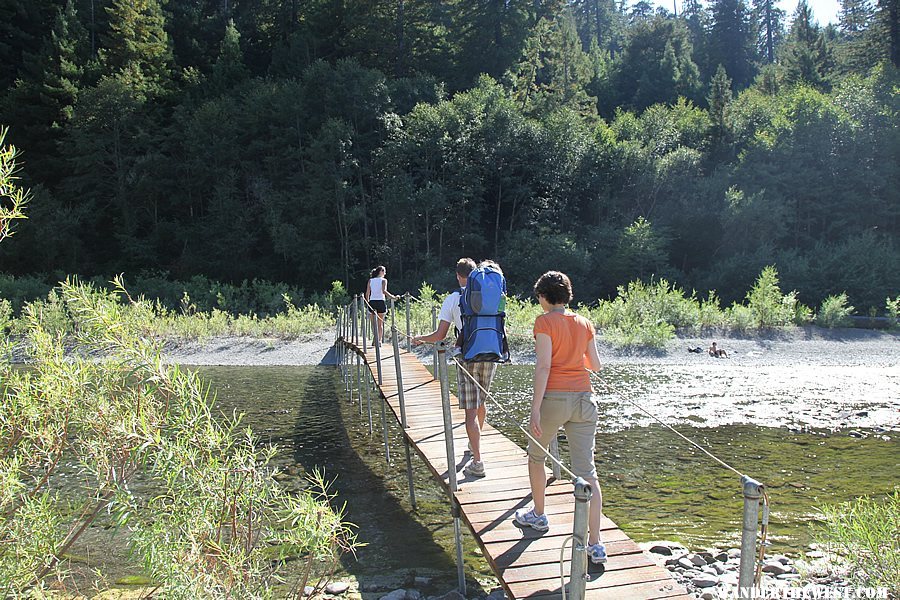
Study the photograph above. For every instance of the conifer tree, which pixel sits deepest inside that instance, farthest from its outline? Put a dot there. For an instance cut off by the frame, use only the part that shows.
(40, 104)
(137, 45)
(719, 100)
(732, 40)
(229, 69)
(807, 55)
(769, 21)
(858, 51)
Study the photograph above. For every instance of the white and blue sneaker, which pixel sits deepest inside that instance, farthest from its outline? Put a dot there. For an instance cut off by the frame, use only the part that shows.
(597, 552)
(527, 518)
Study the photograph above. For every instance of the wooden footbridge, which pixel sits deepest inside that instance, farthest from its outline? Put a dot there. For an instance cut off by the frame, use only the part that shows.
(526, 562)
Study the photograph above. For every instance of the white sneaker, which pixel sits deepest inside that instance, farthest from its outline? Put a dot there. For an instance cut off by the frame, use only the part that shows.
(475, 468)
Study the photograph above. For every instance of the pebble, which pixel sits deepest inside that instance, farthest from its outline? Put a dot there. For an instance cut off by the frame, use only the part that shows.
(663, 550)
(707, 596)
(413, 595)
(337, 587)
(308, 590)
(395, 595)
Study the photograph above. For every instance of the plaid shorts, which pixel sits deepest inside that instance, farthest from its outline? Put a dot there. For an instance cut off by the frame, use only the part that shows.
(470, 395)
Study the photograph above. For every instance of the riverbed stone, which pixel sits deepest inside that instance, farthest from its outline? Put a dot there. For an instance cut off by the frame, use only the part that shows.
(707, 596)
(775, 568)
(413, 595)
(337, 587)
(395, 595)
(696, 560)
(685, 563)
(734, 552)
(661, 550)
(497, 594)
(451, 595)
(308, 590)
(722, 557)
(705, 581)
(422, 581)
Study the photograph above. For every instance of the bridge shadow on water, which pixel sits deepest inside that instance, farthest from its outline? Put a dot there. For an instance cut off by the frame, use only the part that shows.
(332, 436)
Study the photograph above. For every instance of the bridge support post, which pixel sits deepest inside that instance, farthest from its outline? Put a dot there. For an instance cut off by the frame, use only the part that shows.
(578, 568)
(443, 377)
(369, 396)
(753, 491)
(364, 325)
(402, 399)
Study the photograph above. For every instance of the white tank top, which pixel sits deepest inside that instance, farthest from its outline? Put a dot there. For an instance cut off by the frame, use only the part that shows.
(376, 289)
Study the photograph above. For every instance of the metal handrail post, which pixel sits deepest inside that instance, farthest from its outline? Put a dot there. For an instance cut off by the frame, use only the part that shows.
(753, 491)
(365, 326)
(578, 567)
(433, 328)
(554, 452)
(378, 353)
(401, 398)
(353, 318)
(443, 377)
(408, 338)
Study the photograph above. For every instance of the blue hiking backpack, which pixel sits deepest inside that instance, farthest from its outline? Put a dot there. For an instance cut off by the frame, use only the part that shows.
(481, 306)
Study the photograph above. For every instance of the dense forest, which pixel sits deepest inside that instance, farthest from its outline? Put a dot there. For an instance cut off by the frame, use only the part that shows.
(304, 141)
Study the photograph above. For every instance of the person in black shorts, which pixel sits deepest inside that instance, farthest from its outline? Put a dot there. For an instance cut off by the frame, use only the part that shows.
(376, 292)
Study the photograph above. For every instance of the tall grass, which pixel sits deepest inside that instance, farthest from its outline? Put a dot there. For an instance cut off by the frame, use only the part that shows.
(864, 533)
(211, 515)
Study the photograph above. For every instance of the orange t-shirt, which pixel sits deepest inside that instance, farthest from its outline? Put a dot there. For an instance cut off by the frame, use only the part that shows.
(569, 335)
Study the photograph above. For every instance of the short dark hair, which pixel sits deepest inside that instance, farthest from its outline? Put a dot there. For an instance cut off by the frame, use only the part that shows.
(555, 287)
(377, 270)
(464, 266)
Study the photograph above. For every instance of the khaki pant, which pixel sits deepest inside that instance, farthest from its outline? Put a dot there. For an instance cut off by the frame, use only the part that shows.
(575, 412)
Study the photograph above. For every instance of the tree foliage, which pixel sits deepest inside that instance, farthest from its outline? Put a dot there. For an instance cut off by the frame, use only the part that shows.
(305, 141)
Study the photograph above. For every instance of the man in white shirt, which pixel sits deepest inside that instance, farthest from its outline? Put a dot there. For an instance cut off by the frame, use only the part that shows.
(470, 395)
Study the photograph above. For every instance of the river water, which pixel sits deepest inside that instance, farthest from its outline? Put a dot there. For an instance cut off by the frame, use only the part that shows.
(655, 486)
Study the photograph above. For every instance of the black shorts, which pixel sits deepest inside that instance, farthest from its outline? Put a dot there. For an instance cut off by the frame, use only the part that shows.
(378, 306)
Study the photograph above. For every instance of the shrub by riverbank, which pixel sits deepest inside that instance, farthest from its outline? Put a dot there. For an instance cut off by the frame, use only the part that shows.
(643, 314)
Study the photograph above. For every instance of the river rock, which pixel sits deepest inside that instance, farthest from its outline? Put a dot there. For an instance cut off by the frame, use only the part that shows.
(451, 595)
(704, 581)
(815, 554)
(697, 560)
(497, 594)
(722, 557)
(775, 568)
(413, 595)
(395, 595)
(308, 590)
(337, 587)
(734, 552)
(662, 550)
(421, 581)
(685, 563)
(707, 596)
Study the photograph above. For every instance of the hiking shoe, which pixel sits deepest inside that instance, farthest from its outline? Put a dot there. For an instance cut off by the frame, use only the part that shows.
(529, 519)
(475, 468)
(597, 552)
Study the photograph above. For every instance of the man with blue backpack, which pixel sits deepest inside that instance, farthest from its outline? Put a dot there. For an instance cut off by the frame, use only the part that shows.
(476, 310)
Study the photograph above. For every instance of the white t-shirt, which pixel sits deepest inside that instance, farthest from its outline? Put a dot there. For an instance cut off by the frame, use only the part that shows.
(376, 288)
(450, 310)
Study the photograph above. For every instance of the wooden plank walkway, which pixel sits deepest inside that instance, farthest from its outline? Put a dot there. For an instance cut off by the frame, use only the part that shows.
(525, 561)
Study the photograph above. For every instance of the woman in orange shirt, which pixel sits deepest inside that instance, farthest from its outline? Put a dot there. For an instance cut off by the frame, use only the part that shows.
(565, 348)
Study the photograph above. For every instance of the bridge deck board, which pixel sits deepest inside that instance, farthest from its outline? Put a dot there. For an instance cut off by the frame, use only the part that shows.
(526, 562)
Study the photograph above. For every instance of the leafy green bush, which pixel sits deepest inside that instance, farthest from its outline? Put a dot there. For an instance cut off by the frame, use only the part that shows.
(210, 512)
(5, 316)
(864, 534)
(740, 318)
(771, 308)
(835, 312)
(645, 314)
(892, 309)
